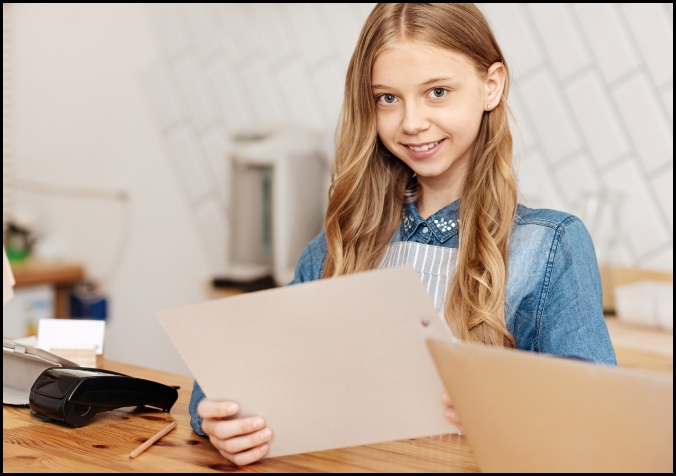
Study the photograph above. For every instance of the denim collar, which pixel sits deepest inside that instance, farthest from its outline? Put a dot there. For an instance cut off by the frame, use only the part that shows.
(444, 223)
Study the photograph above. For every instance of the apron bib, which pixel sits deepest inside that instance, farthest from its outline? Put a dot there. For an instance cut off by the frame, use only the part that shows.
(435, 265)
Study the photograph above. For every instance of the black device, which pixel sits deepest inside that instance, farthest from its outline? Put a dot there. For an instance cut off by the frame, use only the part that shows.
(71, 396)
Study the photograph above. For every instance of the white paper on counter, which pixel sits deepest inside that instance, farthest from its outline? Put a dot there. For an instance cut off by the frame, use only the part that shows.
(75, 334)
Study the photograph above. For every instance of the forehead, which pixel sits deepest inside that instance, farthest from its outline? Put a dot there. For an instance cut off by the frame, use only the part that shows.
(413, 63)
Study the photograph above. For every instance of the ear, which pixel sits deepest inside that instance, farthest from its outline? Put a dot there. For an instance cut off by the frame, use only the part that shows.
(494, 85)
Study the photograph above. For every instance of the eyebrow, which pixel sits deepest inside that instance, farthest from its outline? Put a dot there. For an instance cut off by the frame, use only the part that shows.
(426, 83)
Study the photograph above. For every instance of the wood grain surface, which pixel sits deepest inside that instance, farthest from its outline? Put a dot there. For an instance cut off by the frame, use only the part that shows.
(31, 445)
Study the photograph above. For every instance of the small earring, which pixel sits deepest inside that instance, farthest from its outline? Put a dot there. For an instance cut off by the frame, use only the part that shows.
(488, 106)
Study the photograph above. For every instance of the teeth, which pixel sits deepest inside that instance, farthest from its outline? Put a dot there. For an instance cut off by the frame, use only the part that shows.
(424, 148)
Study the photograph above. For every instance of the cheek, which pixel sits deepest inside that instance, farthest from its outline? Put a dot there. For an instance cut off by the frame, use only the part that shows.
(386, 125)
(460, 124)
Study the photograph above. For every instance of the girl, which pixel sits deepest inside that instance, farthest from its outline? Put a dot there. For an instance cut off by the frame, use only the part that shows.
(423, 175)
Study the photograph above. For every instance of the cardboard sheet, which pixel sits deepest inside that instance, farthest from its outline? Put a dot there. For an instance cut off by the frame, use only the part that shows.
(527, 412)
(328, 364)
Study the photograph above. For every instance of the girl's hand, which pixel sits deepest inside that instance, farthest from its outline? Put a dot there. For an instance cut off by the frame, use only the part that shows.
(241, 441)
(450, 414)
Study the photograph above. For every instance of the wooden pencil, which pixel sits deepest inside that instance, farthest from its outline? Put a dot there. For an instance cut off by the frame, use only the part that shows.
(152, 440)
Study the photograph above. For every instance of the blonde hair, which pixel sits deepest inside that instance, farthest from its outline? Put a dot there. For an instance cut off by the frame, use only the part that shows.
(366, 198)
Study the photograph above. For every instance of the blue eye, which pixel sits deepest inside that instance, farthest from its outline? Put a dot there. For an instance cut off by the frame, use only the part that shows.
(387, 98)
(438, 92)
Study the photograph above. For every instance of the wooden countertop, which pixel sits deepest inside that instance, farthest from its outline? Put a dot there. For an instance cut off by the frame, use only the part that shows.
(31, 445)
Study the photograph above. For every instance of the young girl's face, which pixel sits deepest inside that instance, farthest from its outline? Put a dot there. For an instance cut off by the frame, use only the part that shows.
(429, 104)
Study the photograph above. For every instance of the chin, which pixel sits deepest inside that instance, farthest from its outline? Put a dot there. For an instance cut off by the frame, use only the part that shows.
(429, 172)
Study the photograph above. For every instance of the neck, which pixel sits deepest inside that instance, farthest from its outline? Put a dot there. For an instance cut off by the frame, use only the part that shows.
(437, 192)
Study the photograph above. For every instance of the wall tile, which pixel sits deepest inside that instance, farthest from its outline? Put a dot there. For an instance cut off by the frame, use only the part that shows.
(642, 114)
(608, 39)
(262, 94)
(663, 261)
(655, 38)
(199, 99)
(237, 21)
(232, 95)
(162, 94)
(200, 19)
(559, 37)
(190, 163)
(274, 28)
(668, 98)
(169, 22)
(212, 223)
(310, 31)
(214, 144)
(300, 95)
(329, 81)
(548, 114)
(343, 27)
(514, 36)
(537, 188)
(638, 210)
(593, 110)
(526, 130)
(663, 185)
(577, 178)
(364, 10)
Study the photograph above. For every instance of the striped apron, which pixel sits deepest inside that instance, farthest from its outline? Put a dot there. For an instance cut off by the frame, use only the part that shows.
(435, 265)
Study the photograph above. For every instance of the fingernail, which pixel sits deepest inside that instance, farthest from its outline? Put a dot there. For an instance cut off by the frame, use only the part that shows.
(232, 408)
(263, 448)
(265, 434)
(258, 423)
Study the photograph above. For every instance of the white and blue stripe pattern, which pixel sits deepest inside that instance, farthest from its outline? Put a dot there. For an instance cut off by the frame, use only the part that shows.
(435, 265)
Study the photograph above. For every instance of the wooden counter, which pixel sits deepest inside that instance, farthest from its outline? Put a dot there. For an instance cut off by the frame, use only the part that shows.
(30, 445)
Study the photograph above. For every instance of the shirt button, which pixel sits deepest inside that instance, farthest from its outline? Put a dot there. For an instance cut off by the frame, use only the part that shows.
(425, 230)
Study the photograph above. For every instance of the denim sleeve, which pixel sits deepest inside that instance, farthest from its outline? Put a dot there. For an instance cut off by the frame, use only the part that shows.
(570, 319)
(310, 267)
(196, 397)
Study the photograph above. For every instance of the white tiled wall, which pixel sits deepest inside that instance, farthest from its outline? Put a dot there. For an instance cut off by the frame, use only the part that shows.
(592, 91)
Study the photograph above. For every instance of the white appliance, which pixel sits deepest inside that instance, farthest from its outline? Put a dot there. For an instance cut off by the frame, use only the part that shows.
(279, 181)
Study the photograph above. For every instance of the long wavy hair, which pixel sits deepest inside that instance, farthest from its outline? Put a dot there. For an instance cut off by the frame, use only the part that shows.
(369, 184)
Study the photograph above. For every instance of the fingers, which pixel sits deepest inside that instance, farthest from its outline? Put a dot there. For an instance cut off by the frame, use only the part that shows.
(240, 440)
(239, 444)
(224, 429)
(213, 409)
(248, 457)
(449, 413)
(446, 399)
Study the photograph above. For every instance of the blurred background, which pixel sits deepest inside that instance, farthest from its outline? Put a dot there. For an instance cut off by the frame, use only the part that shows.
(152, 150)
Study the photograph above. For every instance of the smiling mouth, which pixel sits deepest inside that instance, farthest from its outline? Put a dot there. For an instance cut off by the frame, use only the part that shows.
(424, 147)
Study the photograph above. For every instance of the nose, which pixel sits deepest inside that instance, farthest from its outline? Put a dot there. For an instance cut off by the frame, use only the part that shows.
(414, 120)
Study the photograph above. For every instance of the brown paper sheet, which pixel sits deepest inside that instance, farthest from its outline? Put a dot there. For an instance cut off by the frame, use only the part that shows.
(328, 364)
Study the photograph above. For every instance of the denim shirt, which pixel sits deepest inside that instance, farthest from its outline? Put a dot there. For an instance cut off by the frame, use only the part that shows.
(553, 299)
